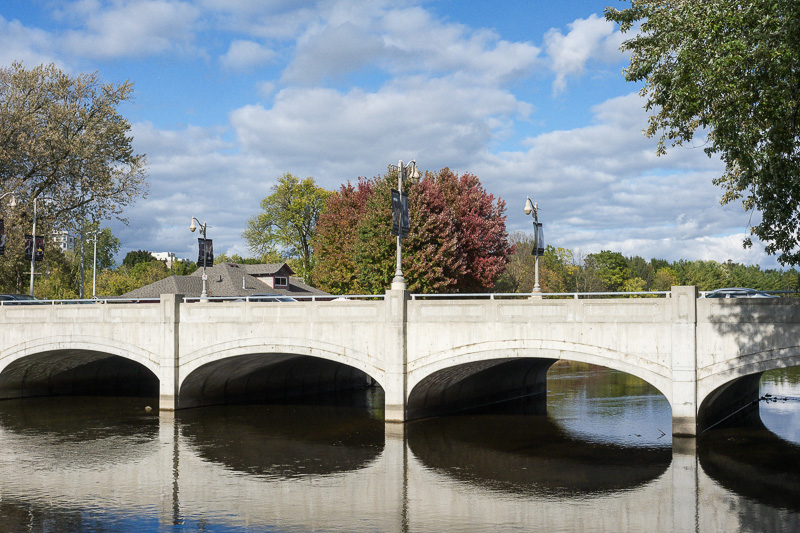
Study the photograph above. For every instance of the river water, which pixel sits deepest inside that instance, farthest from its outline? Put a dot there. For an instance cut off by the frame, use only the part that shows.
(598, 456)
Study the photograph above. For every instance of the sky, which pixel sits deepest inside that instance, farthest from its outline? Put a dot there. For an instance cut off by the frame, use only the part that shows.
(527, 95)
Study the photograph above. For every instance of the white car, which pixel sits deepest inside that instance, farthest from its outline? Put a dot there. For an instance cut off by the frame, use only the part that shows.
(738, 292)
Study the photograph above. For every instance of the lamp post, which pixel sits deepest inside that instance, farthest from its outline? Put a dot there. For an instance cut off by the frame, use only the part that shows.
(399, 282)
(33, 239)
(203, 227)
(538, 244)
(94, 265)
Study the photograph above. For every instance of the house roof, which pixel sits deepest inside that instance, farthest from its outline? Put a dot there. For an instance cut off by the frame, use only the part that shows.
(228, 279)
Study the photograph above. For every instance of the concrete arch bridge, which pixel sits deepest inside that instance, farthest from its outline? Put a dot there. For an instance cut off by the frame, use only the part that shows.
(430, 356)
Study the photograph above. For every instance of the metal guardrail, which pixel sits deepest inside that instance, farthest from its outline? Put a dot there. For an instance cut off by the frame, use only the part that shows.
(308, 298)
(527, 295)
(81, 301)
(344, 297)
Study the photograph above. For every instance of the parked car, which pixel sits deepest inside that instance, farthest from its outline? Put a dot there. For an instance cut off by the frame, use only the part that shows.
(738, 292)
(15, 299)
(270, 298)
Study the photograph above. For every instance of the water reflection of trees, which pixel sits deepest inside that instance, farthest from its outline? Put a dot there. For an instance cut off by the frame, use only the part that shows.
(284, 441)
(530, 455)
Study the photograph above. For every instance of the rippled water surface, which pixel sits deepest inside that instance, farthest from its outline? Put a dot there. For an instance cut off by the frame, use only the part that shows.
(596, 456)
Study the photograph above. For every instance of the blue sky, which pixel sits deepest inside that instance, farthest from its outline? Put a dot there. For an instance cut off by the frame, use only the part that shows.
(527, 95)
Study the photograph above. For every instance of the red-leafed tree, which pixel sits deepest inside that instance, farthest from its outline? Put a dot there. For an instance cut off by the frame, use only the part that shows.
(336, 236)
(457, 240)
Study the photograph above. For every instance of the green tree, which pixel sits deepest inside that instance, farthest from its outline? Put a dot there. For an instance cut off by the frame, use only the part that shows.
(61, 137)
(706, 275)
(730, 68)
(107, 246)
(519, 273)
(612, 269)
(288, 221)
(183, 268)
(664, 279)
(133, 258)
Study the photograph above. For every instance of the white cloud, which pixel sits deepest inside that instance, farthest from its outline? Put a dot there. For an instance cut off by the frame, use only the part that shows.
(601, 187)
(333, 51)
(589, 38)
(194, 172)
(406, 41)
(132, 28)
(339, 136)
(246, 55)
(32, 46)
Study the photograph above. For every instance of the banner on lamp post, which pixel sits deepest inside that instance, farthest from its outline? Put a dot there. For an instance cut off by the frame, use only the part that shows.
(2, 237)
(400, 222)
(34, 247)
(205, 255)
(538, 240)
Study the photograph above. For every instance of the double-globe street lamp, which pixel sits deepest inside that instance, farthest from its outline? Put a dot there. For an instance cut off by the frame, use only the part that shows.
(538, 244)
(400, 212)
(203, 227)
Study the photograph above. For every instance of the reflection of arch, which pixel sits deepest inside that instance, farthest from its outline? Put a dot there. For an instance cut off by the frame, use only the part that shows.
(761, 466)
(60, 365)
(453, 367)
(531, 455)
(267, 370)
(284, 441)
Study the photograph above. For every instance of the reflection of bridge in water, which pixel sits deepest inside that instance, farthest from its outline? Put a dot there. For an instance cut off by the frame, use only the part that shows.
(240, 469)
(429, 356)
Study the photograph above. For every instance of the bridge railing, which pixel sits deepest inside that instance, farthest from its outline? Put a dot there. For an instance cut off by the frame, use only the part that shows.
(285, 298)
(81, 301)
(552, 295)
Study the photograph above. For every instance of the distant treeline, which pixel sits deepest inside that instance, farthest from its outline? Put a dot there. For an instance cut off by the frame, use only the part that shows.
(562, 270)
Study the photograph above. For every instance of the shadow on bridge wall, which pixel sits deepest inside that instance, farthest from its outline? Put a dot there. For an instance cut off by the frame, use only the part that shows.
(757, 335)
(76, 372)
(273, 378)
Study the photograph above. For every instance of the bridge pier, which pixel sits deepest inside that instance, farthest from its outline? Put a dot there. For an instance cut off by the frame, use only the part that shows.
(395, 387)
(170, 314)
(684, 361)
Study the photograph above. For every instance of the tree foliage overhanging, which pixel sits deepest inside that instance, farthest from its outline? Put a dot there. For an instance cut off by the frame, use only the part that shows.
(730, 68)
(457, 239)
(65, 155)
(61, 138)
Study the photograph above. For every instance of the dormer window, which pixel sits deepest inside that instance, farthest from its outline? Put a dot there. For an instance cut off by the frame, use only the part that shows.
(281, 281)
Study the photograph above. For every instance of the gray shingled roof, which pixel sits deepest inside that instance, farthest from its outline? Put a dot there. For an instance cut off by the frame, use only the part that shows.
(227, 279)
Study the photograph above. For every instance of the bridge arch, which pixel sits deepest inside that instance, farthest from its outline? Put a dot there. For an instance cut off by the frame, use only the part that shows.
(255, 368)
(724, 389)
(432, 374)
(63, 365)
(88, 343)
